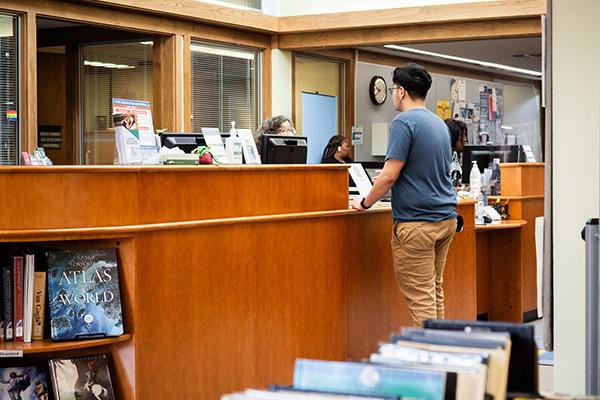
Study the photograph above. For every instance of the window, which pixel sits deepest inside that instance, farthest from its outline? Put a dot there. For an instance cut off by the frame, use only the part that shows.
(224, 85)
(9, 102)
(115, 70)
(256, 4)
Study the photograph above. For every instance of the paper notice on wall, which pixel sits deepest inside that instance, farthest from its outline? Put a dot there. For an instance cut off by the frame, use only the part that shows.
(357, 135)
(443, 109)
(137, 119)
(462, 90)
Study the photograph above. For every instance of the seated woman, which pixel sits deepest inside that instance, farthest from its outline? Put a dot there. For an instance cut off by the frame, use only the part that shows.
(458, 137)
(337, 151)
(278, 125)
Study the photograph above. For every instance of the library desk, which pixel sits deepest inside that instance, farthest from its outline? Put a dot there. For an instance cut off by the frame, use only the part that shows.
(499, 271)
(228, 273)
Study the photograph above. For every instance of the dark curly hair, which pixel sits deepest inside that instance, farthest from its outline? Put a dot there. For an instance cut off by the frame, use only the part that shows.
(270, 127)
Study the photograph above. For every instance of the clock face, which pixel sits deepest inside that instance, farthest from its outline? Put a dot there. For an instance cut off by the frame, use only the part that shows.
(378, 90)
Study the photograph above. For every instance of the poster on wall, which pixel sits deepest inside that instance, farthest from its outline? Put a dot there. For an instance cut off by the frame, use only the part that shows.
(443, 109)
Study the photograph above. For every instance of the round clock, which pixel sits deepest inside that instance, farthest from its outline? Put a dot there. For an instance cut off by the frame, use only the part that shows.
(378, 90)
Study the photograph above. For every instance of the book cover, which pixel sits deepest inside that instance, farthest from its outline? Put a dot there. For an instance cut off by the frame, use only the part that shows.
(18, 297)
(24, 383)
(371, 379)
(82, 378)
(39, 305)
(7, 301)
(83, 294)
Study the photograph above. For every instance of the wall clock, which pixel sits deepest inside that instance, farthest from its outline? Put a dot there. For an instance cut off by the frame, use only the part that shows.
(378, 90)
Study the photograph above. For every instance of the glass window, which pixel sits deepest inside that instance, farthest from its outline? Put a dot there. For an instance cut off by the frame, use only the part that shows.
(115, 70)
(9, 102)
(256, 4)
(224, 83)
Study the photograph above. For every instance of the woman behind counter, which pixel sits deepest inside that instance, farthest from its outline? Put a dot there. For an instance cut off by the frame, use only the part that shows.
(278, 125)
(337, 151)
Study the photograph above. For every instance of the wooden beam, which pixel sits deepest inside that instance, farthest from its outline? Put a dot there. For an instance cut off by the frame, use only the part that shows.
(484, 10)
(412, 34)
(28, 82)
(198, 12)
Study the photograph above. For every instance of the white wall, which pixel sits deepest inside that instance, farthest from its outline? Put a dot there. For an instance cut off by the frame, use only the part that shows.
(282, 83)
(295, 7)
(576, 131)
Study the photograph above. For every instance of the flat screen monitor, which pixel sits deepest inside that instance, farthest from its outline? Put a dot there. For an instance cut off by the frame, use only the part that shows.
(523, 364)
(185, 141)
(281, 149)
(485, 154)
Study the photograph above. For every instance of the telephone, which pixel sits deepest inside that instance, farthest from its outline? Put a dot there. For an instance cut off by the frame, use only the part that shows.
(491, 213)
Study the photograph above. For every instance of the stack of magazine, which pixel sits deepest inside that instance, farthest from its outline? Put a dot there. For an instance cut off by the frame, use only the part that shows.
(429, 364)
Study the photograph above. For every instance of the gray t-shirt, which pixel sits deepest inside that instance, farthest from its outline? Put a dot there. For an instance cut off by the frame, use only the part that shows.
(424, 191)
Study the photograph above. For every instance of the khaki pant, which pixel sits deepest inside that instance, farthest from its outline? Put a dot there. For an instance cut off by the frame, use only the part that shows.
(419, 251)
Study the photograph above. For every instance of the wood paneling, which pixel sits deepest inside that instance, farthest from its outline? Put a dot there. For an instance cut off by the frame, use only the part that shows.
(444, 14)
(199, 12)
(28, 85)
(52, 100)
(376, 306)
(467, 30)
(522, 179)
(499, 274)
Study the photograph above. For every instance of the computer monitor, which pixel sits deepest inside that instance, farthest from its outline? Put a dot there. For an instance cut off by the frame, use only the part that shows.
(185, 141)
(282, 149)
(485, 154)
(523, 364)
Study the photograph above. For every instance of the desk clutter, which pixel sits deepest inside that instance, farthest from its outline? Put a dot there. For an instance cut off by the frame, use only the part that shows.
(463, 360)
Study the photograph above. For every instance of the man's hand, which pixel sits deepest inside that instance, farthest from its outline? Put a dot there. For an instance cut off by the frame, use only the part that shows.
(356, 204)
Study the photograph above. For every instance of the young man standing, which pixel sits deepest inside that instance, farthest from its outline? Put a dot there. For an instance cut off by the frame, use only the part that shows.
(417, 168)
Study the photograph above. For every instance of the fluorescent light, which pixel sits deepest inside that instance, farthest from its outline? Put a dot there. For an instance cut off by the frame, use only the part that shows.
(107, 65)
(508, 128)
(228, 4)
(464, 60)
(222, 52)
(150, 43)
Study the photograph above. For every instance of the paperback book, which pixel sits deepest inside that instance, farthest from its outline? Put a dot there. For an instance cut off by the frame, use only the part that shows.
(24, 383)
(83, 293)
(82, 378)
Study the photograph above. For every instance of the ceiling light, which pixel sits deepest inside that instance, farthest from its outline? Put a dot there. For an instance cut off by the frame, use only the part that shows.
(149, 43)
(465, 60)
(107, 65)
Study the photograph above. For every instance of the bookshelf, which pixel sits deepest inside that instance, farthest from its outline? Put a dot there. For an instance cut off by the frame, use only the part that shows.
(48, 346)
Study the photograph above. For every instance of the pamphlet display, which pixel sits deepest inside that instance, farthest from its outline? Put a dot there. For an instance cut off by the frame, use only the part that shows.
(213, 139)
(134, 132)
(249, 146)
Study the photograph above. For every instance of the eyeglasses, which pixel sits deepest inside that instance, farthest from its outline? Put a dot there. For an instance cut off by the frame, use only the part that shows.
(288, 130)
(391, 90)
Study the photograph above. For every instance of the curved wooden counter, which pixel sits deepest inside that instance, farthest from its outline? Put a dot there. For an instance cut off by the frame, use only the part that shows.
(228, 273)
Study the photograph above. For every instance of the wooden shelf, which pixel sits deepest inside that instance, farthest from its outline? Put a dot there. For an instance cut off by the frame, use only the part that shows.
(505, 224)
(48, 346)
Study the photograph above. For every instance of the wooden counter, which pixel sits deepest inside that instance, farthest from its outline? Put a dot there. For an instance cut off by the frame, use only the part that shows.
(227, 273)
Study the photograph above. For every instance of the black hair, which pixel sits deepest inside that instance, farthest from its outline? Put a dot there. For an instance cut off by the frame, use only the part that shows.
(332, 145)
(414, 79)
(458, 130)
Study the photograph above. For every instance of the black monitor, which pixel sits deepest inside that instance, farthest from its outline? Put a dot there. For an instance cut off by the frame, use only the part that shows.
(523, 364)
(485, 154)
(282, 149)
(185, 141)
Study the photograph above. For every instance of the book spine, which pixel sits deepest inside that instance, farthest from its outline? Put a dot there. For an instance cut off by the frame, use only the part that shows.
(7, 310)
(39, 304)
(18, 297)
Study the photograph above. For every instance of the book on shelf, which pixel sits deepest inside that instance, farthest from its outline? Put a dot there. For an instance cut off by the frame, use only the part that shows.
(28, 282)
(373, 380)
(24, 383)
(7, 302)
(81, 378)
(39, 305)
(17, 263)
(83, 294)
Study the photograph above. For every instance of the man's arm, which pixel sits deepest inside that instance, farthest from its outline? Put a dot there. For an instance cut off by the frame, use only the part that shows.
(386, 178)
